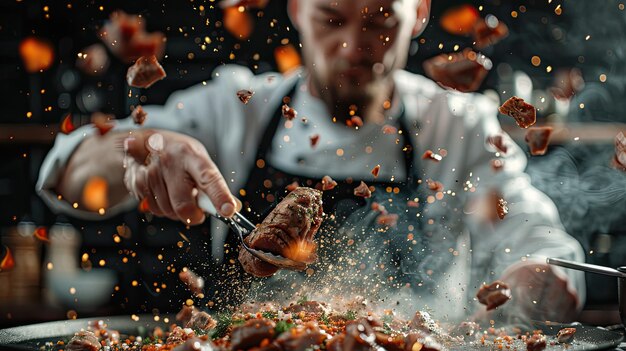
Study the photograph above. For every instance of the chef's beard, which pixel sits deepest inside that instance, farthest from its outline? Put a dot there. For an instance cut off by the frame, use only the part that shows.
(342, 91)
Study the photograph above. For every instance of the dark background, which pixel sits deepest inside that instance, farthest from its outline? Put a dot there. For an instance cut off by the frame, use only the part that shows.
(588, 194)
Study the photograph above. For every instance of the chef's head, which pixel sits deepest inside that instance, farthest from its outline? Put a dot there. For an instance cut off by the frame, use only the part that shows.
(350, 45)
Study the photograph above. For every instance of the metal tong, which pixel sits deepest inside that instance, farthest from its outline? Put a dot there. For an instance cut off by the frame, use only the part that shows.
(242, 226)
(591, 268)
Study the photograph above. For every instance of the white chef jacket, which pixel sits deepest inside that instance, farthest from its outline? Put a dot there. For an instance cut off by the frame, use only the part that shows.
(456, 122)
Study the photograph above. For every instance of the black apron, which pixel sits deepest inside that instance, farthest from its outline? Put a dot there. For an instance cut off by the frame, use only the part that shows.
(367, 255)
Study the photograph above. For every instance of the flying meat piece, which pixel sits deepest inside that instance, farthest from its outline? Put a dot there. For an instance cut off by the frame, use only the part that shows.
(430, 155)
(314, 139)
(201, 320)
(93, 60)
(245, 95)
(462, 71)
(489, 31)
(494, 294)
(145, 72)
(523, 112)
(126, 37)
(139, 115)
(328, 183)
(194, 282)
(434, 185)
(566, 335)
(501, 207)
(289, 112)
(184, 315)
(538, 139)
(362, 190)
(375, 171)
(288, 231)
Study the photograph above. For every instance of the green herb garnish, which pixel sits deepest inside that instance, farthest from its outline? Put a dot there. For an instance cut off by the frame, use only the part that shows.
(302, 299)
(283, 326)
(324, 318)
(269, 314)
(350, 315)
(224, 321)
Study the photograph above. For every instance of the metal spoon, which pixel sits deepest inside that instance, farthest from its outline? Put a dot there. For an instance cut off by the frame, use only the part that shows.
(241, 225)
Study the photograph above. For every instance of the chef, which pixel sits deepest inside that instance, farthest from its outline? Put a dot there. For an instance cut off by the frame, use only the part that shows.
(354, 53)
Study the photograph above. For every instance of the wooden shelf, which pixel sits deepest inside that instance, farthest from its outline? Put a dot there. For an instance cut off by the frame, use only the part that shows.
(28, 133)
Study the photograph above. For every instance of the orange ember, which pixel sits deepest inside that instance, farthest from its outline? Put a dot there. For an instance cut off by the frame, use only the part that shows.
(102, 122)
(238, 23)
(66, 125)
(460, 20)
(6, 262)
(41, 234)
(37, 54)
(302, 251)
(287, 58)
(143, 206)
(95, 194)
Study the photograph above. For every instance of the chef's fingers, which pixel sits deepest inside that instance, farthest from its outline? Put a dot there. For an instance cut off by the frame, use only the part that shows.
(209, 179)
(142, 187)
(238, 205)
(135, 145)
(184, 204)
(159, 191)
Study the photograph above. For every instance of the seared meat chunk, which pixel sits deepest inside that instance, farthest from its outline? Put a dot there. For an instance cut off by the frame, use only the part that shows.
(252, 333)
(145, 72)
(494, 294)
(201, 320)
(84, 341)
(523, 112)
(566, 335)
(301, 338)
(287, 231)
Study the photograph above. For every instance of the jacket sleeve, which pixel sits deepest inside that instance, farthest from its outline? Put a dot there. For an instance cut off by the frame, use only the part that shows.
(197, 111)
(532, 230)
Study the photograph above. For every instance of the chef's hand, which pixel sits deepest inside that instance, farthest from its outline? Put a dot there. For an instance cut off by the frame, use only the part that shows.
(538, 292)
(164, 167)
(542, 292)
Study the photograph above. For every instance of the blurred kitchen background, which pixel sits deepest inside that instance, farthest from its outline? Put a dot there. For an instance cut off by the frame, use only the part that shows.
(577, 46)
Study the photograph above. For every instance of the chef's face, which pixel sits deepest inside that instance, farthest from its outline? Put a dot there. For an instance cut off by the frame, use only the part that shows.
(350, 45)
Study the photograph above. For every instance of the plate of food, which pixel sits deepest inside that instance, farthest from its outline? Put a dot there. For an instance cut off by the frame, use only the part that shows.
(304, 325)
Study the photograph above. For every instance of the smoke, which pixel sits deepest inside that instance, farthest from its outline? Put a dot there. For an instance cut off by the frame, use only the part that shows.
(364, 265)
(590, 196)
